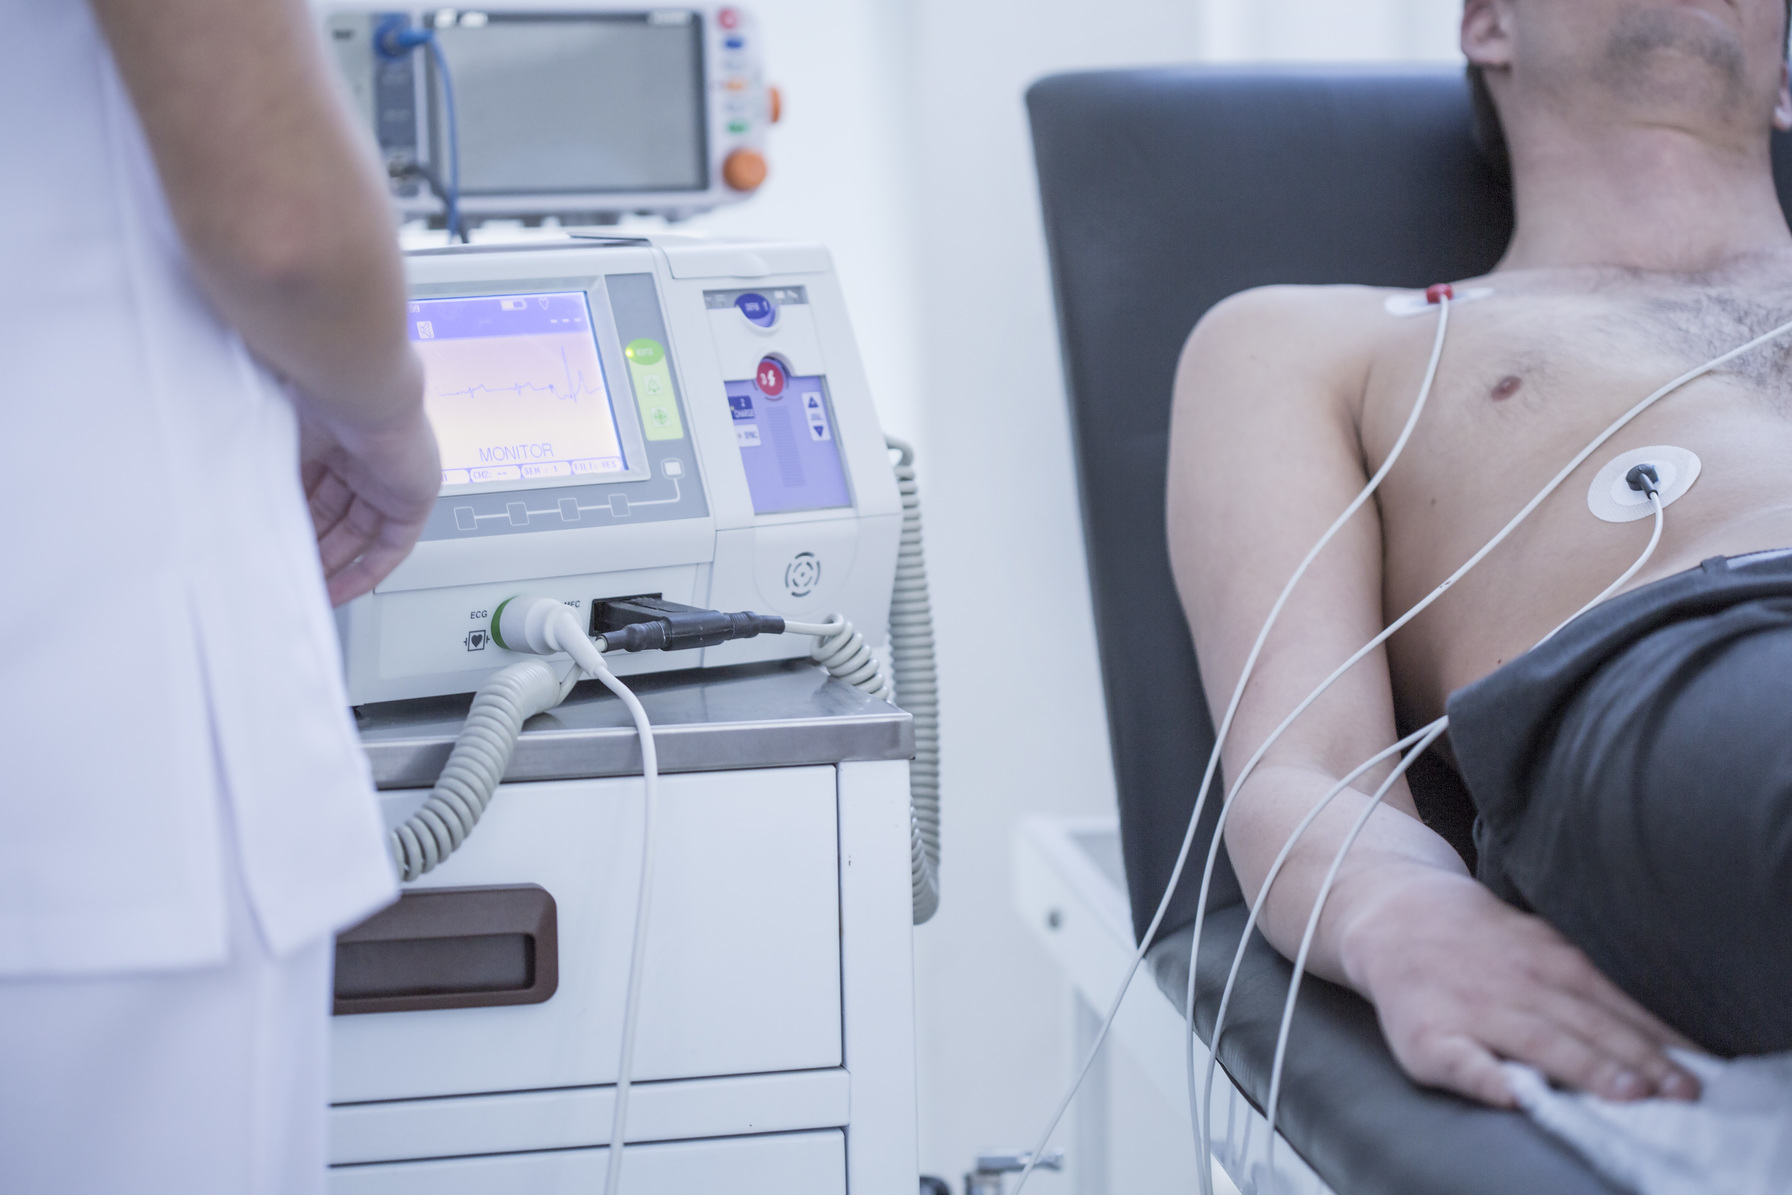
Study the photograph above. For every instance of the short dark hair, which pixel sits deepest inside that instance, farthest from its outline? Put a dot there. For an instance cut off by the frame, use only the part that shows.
(1490, 134)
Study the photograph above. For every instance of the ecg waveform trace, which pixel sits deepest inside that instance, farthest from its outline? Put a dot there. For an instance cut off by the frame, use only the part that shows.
(536, 398)
(573, 389)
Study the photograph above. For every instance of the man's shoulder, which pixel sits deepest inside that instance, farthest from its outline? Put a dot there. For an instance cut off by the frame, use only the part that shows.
(1324, 335)
(1287, 307)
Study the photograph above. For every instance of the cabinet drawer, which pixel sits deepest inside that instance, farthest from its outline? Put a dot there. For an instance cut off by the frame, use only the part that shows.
(790, 1164)
(743, 956)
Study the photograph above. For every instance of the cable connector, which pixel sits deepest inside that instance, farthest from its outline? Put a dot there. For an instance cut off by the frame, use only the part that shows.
(650, 623)
(396, 36)
(1644, 480)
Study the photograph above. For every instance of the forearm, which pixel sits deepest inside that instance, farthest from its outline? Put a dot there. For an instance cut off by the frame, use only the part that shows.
(1392, 851)
(281, 207)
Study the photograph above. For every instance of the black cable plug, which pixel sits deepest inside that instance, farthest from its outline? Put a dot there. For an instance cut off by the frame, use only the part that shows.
(650, 623)
(1644, 480)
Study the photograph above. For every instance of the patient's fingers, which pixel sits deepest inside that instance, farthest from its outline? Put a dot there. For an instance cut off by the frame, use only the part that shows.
(1459, 1063)
(1628, 1047)
(1554, 1048)
(1570, 970)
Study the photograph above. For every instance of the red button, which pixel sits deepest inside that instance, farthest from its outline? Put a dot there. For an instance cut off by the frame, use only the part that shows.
(770, 378)
(728, 18)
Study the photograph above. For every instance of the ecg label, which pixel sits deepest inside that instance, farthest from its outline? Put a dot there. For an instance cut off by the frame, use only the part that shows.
(534, 399)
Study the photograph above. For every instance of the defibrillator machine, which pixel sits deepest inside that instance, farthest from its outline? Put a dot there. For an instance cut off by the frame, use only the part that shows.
(658, 454)
(672, 420)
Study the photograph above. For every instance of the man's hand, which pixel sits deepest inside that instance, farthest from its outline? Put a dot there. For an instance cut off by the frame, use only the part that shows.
(369, 494)
(1461, 980)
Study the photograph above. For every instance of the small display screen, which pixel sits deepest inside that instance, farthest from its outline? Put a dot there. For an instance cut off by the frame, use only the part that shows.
(571, 102)
(785, 431)
(514, 388)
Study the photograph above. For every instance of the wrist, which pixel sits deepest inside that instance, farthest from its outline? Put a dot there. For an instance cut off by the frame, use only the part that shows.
(1373, 937)
(382, 410)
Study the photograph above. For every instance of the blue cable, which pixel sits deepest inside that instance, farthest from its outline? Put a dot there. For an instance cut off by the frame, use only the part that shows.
(455, 231)
(394, 38)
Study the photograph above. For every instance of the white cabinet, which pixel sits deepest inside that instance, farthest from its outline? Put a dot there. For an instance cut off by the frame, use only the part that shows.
(790, 1164)
(777, 1000)
(743, 956)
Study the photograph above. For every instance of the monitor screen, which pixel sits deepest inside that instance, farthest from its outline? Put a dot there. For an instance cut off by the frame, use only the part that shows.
(571, 102)
(514, 388)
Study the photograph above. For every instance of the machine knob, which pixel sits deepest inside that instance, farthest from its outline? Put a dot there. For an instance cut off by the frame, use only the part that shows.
(744, 169)
(777, 103)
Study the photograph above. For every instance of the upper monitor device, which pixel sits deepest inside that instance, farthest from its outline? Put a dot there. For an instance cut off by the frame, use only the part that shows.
(580, 112)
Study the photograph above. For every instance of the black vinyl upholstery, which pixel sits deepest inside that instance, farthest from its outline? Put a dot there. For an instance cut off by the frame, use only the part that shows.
(1164, 191)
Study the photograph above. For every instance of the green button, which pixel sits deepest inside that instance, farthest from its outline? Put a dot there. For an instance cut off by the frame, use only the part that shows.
(653, 390)
(737, 126)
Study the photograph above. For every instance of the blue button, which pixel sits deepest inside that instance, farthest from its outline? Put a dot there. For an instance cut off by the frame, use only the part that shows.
(757, 308)
(734, 43)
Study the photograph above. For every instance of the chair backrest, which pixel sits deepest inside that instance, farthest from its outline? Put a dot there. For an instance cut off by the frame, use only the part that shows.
(1163, 192)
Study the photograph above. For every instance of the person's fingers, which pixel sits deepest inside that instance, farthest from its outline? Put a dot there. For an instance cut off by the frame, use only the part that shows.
(1459, 1063)
(1567, 969)
(352, 535)
(376, 563)
(1562, 1054)
(1631, 1047)
(329, 501)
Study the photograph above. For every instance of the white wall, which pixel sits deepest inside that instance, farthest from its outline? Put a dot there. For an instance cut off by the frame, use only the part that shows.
(905, 148)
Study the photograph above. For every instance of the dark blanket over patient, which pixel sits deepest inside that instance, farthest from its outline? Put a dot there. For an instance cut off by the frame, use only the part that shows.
(1633, 784)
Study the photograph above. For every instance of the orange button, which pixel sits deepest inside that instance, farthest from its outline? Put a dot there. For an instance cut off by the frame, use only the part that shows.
(744, 169)
(777, 99)
(737, 84)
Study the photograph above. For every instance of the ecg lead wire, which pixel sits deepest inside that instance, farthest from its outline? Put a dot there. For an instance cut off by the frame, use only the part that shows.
(1430, 733)
(1424, 603)
(1188, 838)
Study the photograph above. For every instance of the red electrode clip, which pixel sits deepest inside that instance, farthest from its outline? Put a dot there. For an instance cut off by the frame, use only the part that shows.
(1437, 292)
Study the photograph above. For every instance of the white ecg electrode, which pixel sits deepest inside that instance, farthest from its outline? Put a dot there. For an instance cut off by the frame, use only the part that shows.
(1611, 498)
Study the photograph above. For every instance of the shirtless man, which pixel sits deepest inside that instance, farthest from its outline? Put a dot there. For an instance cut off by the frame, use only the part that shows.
(1649, 240)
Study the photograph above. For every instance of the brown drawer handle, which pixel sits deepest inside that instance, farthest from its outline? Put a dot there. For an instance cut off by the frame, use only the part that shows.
(451, 948)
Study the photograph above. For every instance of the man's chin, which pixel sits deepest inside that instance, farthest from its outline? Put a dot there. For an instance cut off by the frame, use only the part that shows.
(1679, 52)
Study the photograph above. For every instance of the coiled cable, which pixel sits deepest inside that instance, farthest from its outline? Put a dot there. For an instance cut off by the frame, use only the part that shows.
(842, 650)
(507, 699)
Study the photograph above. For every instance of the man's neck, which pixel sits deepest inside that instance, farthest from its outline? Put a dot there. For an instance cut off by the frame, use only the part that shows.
(1643, 197)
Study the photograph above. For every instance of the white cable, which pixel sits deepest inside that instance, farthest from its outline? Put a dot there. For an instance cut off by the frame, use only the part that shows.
(1219, 1022)
(1431, 735)
(1424, 603)
(914, 684)
(546, 626)
(1431, 732)
(1213, 759)
(507, 699)
(1633, 570)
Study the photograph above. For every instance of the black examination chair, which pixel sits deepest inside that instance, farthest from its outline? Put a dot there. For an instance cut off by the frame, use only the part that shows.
(1164, 191)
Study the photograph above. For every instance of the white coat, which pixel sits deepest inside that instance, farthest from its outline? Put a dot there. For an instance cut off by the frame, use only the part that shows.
(166, 646)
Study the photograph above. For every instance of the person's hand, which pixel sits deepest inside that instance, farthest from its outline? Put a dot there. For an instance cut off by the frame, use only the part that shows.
(1460, 980)
(369, 494)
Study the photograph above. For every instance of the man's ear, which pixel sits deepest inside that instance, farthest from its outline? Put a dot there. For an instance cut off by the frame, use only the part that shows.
(1782, 111)
(1487, 33)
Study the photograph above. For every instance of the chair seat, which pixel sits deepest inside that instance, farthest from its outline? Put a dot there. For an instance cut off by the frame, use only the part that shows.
(1346, 1106)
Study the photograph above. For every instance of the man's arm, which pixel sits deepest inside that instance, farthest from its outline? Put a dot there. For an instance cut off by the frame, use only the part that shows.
(284, 216)
(1264, 453)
